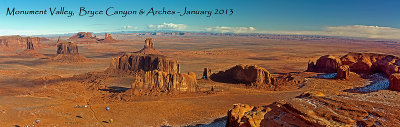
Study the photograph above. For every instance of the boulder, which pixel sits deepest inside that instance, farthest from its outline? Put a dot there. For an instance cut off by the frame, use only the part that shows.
(206, 73)
(394, 82)
(135, 62)
(251, 75)
(343, 72)
(236, 114)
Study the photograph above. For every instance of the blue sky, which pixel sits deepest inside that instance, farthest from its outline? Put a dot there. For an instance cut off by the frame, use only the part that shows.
(326, 17)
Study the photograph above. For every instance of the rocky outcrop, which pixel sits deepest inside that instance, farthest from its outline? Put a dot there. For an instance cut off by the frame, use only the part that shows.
(361, 63)
(83, 37)
(107, 39)
(251, 75)
(148, 47)
(67, 48)
(394, 82)
(135, 62)
(29, 44)
(206, 73)
(325, 64)
(68, 52)
(158, 81)
(18, 42)
(86, 37)
(343, 72)
(317, 110)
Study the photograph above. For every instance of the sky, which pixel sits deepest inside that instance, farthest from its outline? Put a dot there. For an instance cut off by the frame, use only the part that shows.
(354, 18)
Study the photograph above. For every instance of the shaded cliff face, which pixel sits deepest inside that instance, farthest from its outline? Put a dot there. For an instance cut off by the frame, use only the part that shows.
(244, 74)
(361, 63)
(316, 109)
(67, 48)
(148, 82)
(134, 62)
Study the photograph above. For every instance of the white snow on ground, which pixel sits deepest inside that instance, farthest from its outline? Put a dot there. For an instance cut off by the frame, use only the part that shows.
(327, 76)
(377, 82)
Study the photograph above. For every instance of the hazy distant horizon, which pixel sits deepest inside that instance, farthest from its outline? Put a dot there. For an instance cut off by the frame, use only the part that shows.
(356, 18)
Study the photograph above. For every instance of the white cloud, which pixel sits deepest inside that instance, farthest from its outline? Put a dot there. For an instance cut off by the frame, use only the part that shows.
(168, 26)
(224, 29)
(128, 27)
(362, 31)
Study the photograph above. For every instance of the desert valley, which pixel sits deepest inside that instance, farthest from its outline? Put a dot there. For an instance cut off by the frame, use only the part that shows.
(198, 79)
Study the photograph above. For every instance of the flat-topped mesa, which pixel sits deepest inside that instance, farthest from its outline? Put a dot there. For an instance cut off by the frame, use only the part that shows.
(67, 48)
(361, 63)
(251, 75)
(83, 35)
(148, 47)
(17, 42)
(135, 62)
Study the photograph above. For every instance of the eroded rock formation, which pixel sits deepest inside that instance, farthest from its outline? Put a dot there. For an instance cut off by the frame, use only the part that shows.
(251, 75)
(343, 72)
(207, 73)
(107, 39)
(86, 37)
(67, 48)
(394, 82)
(155, 73)
(159, 81)
(148, 47)
(29, 44)
(135, 62)
(317, 110)
(325, 64)
(17, 42)
(68, 52)
(361, 63)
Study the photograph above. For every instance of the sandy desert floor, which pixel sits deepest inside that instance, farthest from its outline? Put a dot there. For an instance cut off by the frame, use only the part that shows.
(20, 108)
